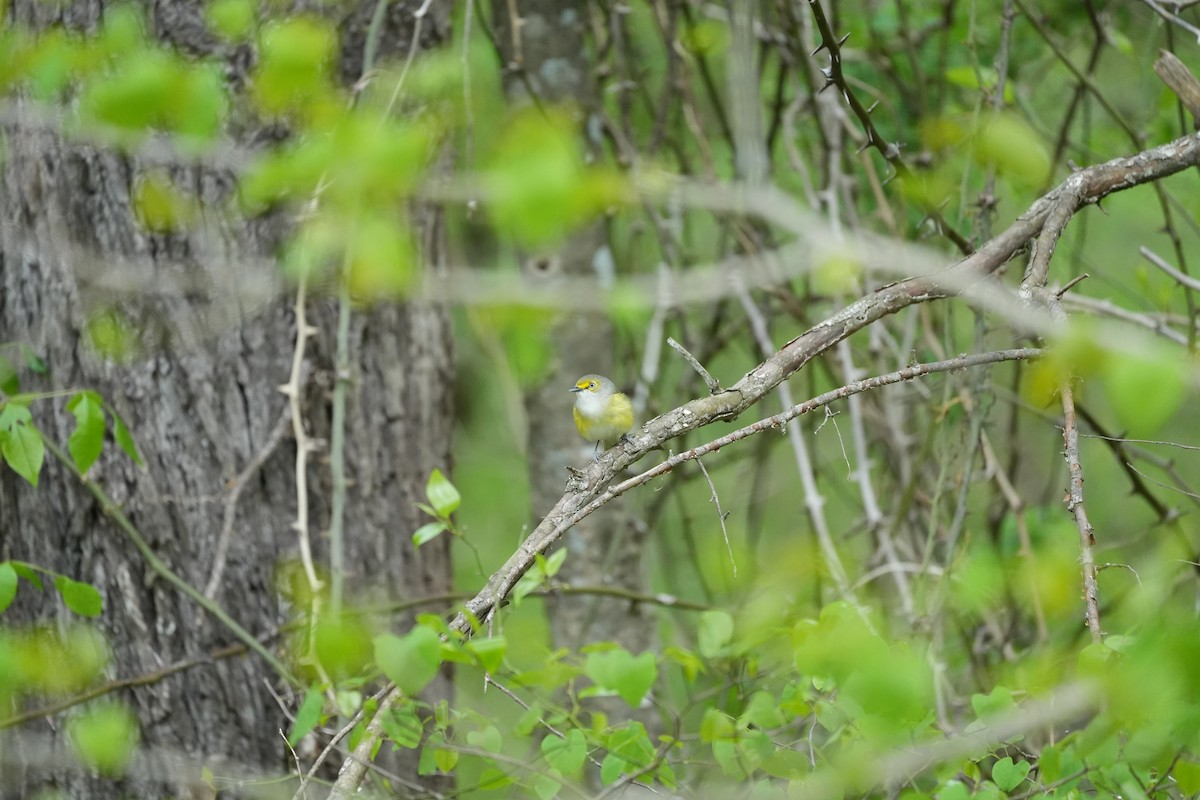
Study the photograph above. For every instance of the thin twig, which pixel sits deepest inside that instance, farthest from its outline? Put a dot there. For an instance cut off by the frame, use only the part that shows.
(304, 444)
(1187, 281)
(237, 486)
(341, 733)
(713, 386)
(720, 516)
(1087, 539)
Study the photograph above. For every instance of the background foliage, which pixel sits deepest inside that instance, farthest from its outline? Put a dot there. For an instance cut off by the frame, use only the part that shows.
(939, 650)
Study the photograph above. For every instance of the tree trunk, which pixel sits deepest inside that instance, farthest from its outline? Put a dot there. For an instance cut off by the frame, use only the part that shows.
(201, 398)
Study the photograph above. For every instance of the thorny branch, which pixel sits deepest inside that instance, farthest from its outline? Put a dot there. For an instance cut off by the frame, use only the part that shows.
(1085, 187)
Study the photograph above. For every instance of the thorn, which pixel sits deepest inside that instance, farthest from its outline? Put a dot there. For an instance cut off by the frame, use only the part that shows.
(864, 146)
(872, 107)
(820, 47)
(842, 41)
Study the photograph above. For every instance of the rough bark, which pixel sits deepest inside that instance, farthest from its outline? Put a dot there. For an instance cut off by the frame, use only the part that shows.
(202, 401)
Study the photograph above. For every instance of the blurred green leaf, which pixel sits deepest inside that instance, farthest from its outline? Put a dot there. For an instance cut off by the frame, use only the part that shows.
(105, 737)
(488, 739)
(412, 661)
(10, 383)
(691, 664)
(445, 759)
(1145, 388)
(403, 726)
(490, 651)
(714, 633)
(427, 533)
(617, 670)
(566, 754)
(293, 73)
(125, 439)
(382, 258)
(1009, 144)
(762, 711)
(538, 186)
(1187, 776)
(8, 584)
(1008, 775)
(87, 440)
(999, 701)
(342, 645)
(232, 20)
(610, 769)
(441, 494)
(112, 335)
(33, 361)
(546, 786)
(307, 716)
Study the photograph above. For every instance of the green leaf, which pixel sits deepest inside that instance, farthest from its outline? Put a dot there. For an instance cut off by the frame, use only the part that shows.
(82, 598)
(403, 726)
(716, 726)
(445, 759)
(308, 715)
(715, 632)
(611, 769)
(87, 440)
(686, 659)
(441, 494)
(554, 562)
(990, 705)
(567, 754)
(125, 439)
(21, 445)
(410, 662)
(546, 786)
(1008, 775)
(427, 533)
(232, 20)
(1145, 389)
(28, 574)
(954, 790)
(1187, 775)
(488, 739)
(632, 745)
(105, 737)
(8, 585)
(293, 64)
(490, 651)
(10, 383)
(618, 670)
(33, 361)
(763, 711)
(342, 645)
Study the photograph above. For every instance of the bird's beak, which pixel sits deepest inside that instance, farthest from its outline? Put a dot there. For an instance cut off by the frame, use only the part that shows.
(575, 389)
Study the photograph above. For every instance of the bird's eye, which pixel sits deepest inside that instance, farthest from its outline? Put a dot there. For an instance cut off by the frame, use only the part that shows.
(592, 385)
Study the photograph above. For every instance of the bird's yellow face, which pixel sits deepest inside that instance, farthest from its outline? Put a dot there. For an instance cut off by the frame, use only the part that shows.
(602, 414)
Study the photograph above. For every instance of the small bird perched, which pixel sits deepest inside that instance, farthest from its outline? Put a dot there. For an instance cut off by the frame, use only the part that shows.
(602, 414)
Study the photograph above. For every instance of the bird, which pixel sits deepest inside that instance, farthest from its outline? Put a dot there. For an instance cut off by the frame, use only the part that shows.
(602, 414)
